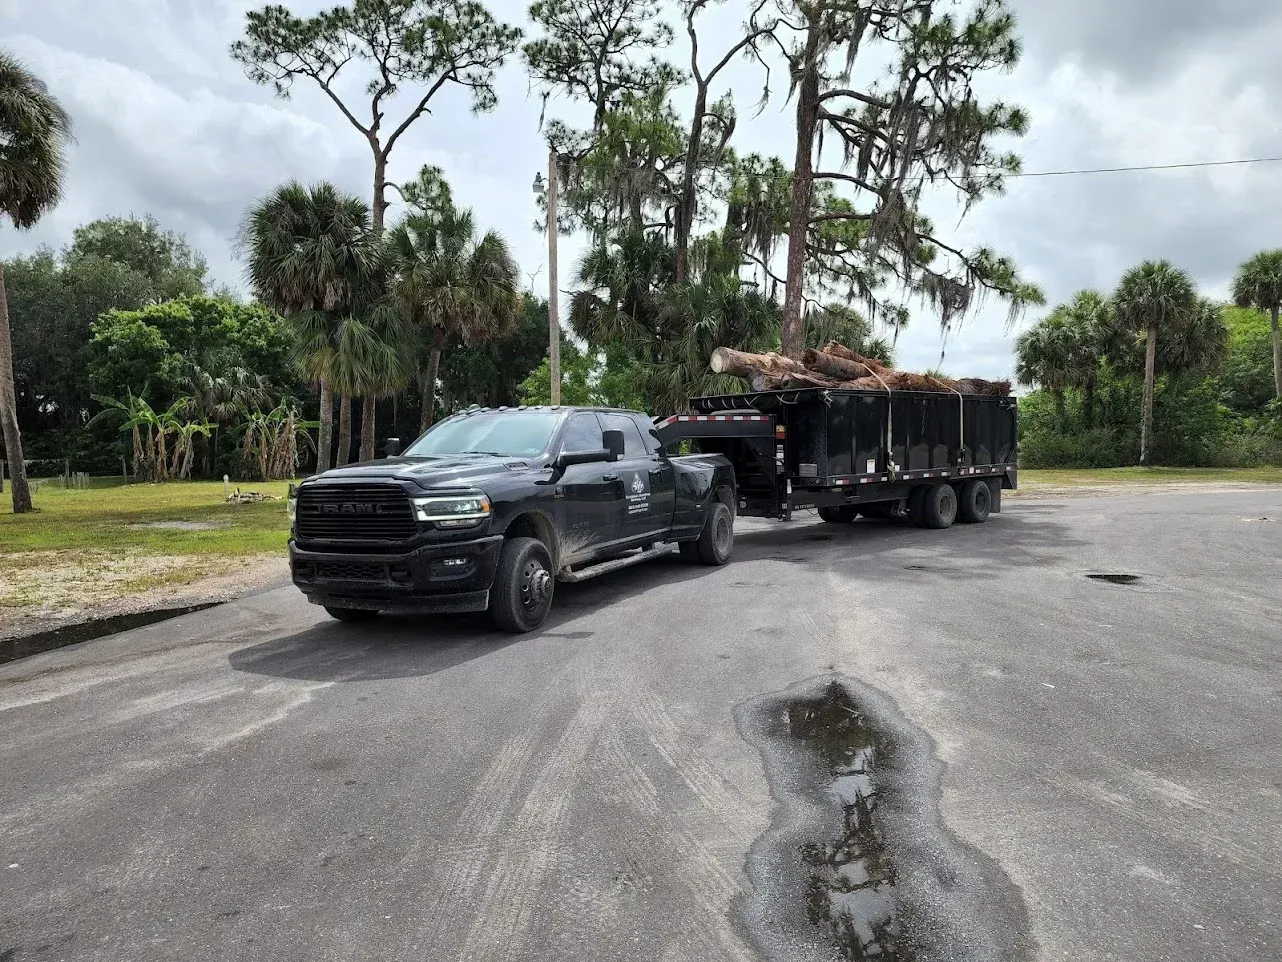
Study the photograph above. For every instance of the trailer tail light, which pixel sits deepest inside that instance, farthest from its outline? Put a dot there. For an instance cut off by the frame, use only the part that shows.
(779, 431)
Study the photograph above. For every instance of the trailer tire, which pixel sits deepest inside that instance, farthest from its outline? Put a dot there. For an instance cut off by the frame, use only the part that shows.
(351, 614)
(716, 540)
(523, 585)
(916, 507)
(838, 514)
(975, 501)
(939, 506)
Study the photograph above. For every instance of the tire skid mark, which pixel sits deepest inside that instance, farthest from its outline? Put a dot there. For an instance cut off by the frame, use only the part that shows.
(700, 775)
(699, 870)
(533, 845)
(477, 831)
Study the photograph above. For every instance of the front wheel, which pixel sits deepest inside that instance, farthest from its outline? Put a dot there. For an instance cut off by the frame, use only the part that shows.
(351, 614)
(522, 593)
(839, 514)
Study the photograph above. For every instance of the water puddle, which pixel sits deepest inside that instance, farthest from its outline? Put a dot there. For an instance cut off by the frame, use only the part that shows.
(850, 881)
(11, 649)
(857, 864)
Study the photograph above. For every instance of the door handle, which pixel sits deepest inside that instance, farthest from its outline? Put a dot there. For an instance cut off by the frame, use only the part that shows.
(609, 477)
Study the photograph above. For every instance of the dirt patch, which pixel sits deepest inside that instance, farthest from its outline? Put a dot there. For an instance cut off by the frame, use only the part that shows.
(44, 590)
(182, 525)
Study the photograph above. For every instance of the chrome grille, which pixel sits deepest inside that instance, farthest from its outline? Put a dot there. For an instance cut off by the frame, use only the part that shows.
(354, 513)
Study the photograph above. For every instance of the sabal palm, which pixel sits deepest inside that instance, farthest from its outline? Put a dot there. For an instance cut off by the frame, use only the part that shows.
(1096, 336)
(451, 283)
(1199, 346)
(1047, 354)
(1153, 298)
(34, 132)
(1258, 284)
(620, 282)
(310, 250)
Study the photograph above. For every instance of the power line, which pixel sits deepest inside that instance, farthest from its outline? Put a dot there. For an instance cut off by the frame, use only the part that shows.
(1116, 170)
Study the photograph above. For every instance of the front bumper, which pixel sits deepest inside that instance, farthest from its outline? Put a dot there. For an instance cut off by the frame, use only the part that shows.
(449, 577)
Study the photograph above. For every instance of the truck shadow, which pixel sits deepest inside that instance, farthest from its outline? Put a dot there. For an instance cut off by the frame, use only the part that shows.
(415, 646)
(405, 646)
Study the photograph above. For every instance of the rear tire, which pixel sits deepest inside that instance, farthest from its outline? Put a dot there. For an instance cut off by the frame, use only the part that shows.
(975, 501)
(939, 506)
(523, 585)
(351, 614)
(716, 540)
(839, 514)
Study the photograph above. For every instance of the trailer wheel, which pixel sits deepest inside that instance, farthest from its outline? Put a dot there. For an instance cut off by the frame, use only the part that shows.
(839, 514)
(522, 593)
(716, 540)
(975, 501)
(351, 614)
(916, 505)
(939, 506)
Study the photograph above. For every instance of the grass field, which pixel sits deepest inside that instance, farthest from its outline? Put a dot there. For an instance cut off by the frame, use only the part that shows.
(85, 549)
(1103, 477)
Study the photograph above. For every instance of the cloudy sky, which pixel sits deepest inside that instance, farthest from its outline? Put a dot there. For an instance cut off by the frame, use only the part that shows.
(167, 124)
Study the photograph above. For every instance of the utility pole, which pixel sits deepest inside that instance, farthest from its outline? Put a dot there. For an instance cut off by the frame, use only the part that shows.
(554, 320)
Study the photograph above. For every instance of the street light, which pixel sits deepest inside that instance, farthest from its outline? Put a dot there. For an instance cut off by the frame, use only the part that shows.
(554, 323)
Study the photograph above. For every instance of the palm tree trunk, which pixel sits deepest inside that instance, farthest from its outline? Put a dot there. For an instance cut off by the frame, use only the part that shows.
(1089, 402)
(429, 381)
(9, 411)
(325, 434)
(1150, 374)
(367, 427)
(1277, 349)
(344, 430)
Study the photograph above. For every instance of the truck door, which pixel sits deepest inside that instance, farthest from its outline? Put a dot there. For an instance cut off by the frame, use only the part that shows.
(592, 503)
(648, 482)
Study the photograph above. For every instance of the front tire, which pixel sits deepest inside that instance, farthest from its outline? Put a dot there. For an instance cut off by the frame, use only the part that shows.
(521, 596)
(839, 514)
(975, 500)
(351, 614)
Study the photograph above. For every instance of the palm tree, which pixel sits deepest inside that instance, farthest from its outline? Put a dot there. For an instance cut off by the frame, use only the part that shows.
(311, 251)
(450, 282)
(1258, 284)
(34, 132)
(1046, 354)
(1200, 346)
(1093, 323)
(1156, 296)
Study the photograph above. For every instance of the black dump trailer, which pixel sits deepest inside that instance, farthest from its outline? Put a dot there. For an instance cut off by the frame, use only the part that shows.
(937, 456)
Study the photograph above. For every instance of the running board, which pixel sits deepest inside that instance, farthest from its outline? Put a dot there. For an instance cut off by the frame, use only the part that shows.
(615, 564)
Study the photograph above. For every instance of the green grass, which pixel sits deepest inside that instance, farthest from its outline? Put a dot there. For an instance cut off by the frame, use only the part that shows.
(1078, 477)
(105, 516)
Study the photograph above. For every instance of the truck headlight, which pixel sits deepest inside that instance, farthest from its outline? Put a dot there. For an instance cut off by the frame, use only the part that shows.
(453, 511)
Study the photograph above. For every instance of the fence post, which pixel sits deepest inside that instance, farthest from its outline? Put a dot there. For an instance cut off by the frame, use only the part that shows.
(124, 472)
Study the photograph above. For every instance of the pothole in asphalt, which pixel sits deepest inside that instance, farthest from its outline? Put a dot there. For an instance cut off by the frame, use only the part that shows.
(820, 537)
(857, 864)
(1115, 579)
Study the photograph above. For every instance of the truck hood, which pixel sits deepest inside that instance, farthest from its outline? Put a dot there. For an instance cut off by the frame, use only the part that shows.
(448, 471)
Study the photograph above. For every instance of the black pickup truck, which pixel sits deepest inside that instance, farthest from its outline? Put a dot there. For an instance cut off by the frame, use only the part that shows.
(488, 509)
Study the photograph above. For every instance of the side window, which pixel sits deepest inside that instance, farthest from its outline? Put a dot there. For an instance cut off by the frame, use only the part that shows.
(582, 434)
(633, 444)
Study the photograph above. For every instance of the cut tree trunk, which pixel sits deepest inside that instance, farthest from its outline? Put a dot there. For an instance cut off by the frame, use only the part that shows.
(1150, 374)
(9, 411)
(726, 360)
(344, 430)
(835, 365)
(368, 410)
(325, 434)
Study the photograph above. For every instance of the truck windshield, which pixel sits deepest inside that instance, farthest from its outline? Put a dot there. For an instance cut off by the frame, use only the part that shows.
(505, 433)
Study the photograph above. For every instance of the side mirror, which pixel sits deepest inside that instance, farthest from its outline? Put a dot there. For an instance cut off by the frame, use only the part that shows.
(391, 447)
(581, 457)
(613, 441)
